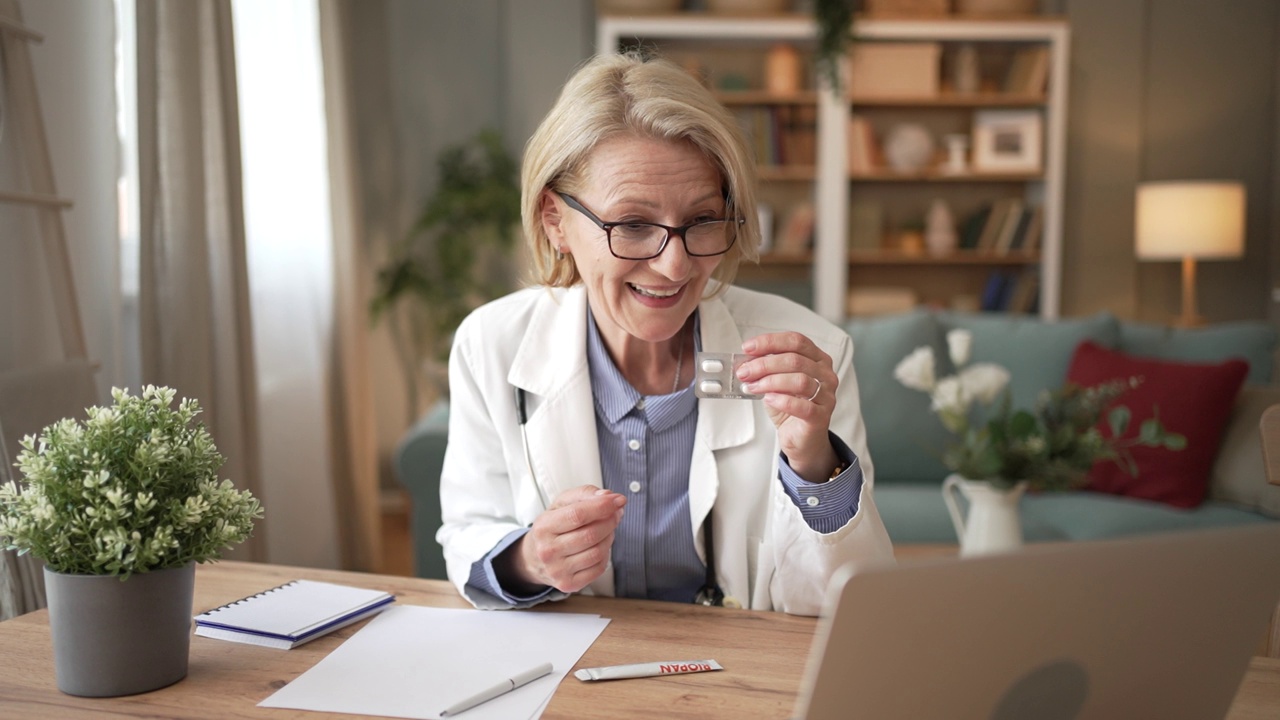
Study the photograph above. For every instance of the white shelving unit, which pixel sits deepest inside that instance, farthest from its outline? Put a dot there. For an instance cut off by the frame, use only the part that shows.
(832, 182)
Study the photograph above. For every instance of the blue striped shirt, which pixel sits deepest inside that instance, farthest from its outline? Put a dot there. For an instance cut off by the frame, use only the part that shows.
(646, 447)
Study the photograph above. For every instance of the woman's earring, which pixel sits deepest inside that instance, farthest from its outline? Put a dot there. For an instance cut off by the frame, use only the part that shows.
(559, 254)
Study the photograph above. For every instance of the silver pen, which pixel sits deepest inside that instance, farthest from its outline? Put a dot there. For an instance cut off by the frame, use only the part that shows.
(501, 688)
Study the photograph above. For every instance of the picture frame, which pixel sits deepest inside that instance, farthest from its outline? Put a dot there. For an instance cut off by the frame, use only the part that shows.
(1008, 141)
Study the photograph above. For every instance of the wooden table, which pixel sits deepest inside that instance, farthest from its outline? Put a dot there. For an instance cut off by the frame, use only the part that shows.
(765, 654)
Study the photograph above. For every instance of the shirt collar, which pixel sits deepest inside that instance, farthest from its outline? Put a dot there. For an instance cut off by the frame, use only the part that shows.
(615, 397)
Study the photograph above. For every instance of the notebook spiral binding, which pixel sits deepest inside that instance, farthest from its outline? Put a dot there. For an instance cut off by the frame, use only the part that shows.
(247, 598)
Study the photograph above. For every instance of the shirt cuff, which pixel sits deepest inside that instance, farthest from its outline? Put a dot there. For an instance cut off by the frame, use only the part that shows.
(826, 506)
(485, 580)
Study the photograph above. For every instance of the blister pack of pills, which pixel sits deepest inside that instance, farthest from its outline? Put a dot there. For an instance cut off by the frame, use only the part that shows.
(716, 376)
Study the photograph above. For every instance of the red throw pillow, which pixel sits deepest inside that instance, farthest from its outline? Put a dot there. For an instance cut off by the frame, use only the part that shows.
(1193, 399)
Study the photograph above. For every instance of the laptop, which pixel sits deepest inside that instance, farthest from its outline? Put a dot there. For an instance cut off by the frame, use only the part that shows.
(1161, 626)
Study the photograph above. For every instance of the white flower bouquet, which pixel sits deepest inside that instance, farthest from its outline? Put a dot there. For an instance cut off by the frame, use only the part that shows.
(1052, 447)
(133, 488)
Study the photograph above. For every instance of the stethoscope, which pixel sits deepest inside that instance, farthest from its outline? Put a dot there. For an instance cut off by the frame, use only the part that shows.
(709, 594)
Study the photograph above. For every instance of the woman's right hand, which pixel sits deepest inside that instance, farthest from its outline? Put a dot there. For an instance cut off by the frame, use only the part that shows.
(569, 544)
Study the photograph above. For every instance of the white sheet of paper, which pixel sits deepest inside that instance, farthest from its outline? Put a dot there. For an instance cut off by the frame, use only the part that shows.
(413, 662)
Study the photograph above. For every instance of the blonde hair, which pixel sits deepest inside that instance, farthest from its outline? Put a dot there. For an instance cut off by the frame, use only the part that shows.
(629, 93)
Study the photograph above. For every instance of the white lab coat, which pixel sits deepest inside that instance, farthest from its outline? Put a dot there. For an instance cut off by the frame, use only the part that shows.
(767, 557)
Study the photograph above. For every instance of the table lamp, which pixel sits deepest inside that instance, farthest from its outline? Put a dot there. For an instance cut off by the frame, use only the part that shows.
(1190, 221)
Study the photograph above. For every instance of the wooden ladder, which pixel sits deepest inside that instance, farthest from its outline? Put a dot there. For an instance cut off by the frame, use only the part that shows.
(35, 396)
(24, 124)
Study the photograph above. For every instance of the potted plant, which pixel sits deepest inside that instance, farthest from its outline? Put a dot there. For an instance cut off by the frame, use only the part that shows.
(120, 507)
(997, 457)
(452, 260)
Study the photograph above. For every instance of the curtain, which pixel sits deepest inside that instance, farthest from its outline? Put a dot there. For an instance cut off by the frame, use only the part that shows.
(351, 423)
(196, 334)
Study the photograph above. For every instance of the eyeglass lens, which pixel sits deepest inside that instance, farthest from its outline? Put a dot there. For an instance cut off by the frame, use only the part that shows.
(641, 241)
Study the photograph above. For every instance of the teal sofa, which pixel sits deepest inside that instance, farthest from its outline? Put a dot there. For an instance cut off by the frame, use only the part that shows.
(904, 435)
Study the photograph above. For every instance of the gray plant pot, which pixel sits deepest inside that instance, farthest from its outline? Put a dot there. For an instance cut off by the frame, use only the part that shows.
(120, 638)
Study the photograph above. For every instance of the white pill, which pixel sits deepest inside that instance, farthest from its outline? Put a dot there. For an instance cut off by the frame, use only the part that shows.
(710, 386)
(712, 366)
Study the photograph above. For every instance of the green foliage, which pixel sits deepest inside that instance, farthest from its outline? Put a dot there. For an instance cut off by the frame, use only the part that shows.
(133, 488)
(476, 204)
(1054, 447)
(835, 35)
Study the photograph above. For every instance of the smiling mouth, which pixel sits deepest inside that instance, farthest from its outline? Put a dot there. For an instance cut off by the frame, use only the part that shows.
(657, 294)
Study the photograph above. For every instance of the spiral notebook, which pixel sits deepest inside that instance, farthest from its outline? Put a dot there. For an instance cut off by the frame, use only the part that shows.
(289, 615)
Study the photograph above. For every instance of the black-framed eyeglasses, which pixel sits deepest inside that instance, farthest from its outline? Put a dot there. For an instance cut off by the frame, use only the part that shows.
(645, 240)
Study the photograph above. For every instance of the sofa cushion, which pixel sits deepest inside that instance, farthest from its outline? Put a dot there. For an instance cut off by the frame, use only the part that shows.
(915, 513)
(1192, 399)
(1035, 352)
(1239, 477)
(904, 437)
(1253, 342)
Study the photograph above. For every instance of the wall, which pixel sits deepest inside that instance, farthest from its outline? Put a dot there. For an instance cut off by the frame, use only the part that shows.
(1162, 90)
(1273, 237)
(74, 76)
(431, 75)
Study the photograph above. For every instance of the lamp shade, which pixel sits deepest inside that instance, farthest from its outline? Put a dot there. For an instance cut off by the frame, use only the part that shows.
(1202, 220)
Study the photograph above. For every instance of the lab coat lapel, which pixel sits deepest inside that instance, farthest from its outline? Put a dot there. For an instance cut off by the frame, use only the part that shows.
(721, 423)
(551, 366)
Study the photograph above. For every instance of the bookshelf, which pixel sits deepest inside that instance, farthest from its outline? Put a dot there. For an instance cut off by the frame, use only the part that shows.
(840, 259)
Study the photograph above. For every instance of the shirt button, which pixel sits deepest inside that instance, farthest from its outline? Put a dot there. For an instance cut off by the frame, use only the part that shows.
(640, 404)
(633, 444)
(811, 501)
(634, 486)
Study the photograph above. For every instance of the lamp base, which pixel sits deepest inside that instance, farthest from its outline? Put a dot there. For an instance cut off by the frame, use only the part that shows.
(1189, 317)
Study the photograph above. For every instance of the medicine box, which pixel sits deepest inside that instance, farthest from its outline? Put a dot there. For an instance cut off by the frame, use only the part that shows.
(895, 70)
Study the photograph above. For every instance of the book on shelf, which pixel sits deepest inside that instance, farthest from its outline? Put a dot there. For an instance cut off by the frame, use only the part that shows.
(289, 615)
(795, 235)
(1024, 295)
(864, 154)
(973, 226)
(780, 135)
(1029, 240)
(1028, 71)
(1009, 225)
(802, 134)
(995, 292)
(1014, 292)
(1019, 232)
(994, 223)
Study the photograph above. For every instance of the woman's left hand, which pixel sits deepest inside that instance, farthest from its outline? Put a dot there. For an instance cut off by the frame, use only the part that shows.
(799, 385)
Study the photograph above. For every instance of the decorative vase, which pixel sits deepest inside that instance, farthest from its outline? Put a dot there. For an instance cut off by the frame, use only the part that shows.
(908, 148)
(782, 70)
(114, 637)
(966, 77)
(956, 146)
(940, 229)
(993, 524)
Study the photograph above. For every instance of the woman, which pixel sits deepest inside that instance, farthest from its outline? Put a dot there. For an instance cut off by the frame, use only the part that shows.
(578, 457)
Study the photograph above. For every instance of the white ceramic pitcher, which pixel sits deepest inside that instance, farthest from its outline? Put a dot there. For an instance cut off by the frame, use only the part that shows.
(994, 523)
